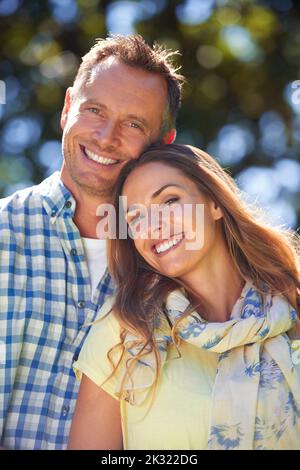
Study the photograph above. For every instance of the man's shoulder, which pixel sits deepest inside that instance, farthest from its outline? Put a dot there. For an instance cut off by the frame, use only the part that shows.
(27, 197)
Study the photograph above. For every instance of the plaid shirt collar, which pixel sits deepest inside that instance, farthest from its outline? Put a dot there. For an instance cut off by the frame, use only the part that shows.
(54, 196)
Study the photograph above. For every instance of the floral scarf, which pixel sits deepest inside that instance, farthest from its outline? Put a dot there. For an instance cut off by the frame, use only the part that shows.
(256, 394)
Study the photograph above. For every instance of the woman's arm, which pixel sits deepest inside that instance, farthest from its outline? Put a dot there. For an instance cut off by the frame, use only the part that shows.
(97, 420)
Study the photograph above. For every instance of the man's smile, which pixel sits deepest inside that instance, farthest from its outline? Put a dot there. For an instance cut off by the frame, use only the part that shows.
(98, 158)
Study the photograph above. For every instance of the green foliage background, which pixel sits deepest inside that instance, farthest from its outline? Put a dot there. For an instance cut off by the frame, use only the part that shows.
(40, 53)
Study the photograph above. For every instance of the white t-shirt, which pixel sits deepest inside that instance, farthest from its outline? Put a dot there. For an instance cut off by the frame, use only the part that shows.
(95, 251)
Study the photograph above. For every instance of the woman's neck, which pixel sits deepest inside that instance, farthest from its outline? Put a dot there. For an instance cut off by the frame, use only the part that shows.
(215, 285)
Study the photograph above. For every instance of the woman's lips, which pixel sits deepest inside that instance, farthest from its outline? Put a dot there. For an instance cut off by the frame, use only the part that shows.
(171, 247)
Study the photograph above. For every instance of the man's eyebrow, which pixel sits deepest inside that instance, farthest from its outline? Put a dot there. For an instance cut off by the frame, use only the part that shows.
(95, 102)
(154, 195)
(141, 119)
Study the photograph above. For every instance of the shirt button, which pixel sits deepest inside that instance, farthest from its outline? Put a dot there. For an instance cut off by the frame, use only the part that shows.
(65, 410)
(76, 355)
(53, 213)
(73, 252)
(81, 304)
(68, 204)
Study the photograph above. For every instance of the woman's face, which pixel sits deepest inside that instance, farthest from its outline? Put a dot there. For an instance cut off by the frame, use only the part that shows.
(172, 223)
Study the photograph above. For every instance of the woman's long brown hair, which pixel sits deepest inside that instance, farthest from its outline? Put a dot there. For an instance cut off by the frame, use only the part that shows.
(264, 254)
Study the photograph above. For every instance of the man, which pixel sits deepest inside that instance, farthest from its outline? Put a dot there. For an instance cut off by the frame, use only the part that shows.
(53, 276)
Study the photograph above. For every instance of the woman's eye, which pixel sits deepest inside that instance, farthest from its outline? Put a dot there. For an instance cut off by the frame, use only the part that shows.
(132, 222)
(135, 220)
(171, 200)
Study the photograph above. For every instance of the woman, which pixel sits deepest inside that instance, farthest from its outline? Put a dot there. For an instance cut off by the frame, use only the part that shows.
(197, 349)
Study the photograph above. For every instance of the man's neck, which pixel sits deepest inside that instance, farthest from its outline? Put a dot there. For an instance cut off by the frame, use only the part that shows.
(85, 217)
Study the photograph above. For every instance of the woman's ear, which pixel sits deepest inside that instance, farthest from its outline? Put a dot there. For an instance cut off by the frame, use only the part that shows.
(215, 211)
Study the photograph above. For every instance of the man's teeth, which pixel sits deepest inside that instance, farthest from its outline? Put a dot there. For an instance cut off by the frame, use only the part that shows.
(166, 245)
(96, 158)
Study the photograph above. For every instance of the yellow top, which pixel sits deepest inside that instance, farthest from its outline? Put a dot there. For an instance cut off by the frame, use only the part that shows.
(179, 417)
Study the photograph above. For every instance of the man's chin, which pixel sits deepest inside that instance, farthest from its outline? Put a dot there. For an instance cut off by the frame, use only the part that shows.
(99, 188)
(97, 192)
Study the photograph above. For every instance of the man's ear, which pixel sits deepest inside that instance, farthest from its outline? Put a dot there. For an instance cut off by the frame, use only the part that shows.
(66, 108)
(169, 137)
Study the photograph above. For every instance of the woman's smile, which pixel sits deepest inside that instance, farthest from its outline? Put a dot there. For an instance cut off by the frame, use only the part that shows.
(165, 246)
(169, 226)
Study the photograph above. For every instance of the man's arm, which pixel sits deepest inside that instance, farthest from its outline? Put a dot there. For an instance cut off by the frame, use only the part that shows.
(97, 419)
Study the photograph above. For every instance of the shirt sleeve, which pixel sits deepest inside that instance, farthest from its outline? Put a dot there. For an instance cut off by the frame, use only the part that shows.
(93, 359)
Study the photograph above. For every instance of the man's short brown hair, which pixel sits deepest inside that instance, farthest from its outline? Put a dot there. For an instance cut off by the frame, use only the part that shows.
(133, 51)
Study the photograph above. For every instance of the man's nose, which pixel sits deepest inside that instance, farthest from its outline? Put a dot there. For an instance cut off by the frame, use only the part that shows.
(106, 133)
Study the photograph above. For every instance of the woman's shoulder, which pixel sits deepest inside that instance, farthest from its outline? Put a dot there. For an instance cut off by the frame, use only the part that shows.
(99, 348)
(104, 331)
(106, 317)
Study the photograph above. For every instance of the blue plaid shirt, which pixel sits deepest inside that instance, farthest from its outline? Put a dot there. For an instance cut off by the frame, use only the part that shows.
(45, 299)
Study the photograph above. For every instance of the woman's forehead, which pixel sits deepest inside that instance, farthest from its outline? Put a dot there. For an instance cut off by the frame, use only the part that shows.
(145, 184)
(153, 174)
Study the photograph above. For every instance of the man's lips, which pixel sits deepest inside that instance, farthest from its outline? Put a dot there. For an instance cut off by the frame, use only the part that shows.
(99, 159)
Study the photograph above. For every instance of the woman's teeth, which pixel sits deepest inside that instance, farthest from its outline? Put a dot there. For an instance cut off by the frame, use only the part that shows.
(96, 158)
(167, 245)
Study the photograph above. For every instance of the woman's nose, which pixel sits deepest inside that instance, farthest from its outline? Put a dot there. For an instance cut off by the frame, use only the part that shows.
(159, 224)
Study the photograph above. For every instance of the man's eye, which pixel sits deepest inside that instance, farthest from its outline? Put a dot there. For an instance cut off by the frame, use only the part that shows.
(134, 125)
(94, 110)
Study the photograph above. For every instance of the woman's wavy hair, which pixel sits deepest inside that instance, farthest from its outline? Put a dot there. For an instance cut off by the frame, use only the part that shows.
(265, 255)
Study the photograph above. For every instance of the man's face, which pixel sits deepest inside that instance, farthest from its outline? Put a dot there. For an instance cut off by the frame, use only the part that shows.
(108, 122)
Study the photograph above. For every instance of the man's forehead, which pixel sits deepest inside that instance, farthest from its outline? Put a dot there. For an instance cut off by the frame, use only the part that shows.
(114, 68)
(108, 63)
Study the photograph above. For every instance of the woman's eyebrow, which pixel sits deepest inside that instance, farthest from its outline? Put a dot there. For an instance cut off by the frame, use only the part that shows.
(154, 195)
(157, 193)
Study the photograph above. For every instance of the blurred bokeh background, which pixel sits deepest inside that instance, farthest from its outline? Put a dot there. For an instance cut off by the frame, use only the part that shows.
(241, 102)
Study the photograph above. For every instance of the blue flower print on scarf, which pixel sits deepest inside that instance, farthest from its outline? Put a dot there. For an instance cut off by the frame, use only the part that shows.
(255, 378)
(227, 437)
(292, 406)
(266, 433)
(270, 374)
(194, 329)
(253, 369)
(212, 342)
(252, 305)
